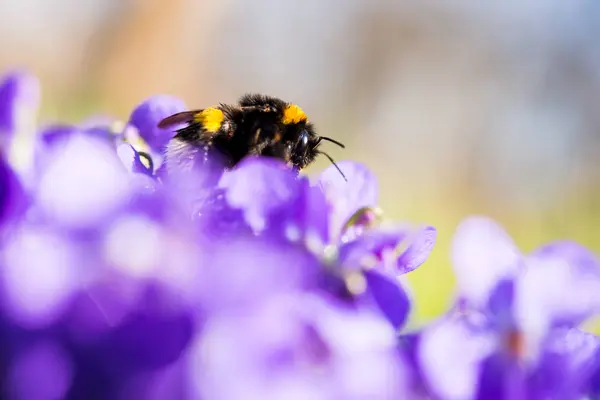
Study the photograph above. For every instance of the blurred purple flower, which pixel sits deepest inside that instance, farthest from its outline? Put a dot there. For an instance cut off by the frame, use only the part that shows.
(273, 200)
(572, 353)
(263, 188)
(244, 270)
(40, 275)
(85, 194)
(13, 198)
(122, 278)
(450, 354)
(298, 346)
(51, 137)
(132, 160)
(521, 302)
(146, 116)
(19, 102)
(41, 371)
(562, 277)
(482, 255)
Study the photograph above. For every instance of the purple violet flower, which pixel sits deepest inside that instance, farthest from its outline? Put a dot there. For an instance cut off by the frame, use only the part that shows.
(273, 199)
(19, 102)
(84, 194)
(120, 278)
(298, 346)
(146, 116)
(574, 354)
(513, 304)
(264, 189)
(382, 252)
(40, 371)
(13, 198)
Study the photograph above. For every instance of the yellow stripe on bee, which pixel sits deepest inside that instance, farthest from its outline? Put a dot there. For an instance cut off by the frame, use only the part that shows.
(292, 114)
(210, 118)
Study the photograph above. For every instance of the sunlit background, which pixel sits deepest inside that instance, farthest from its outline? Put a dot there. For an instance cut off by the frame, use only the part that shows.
(459, 107)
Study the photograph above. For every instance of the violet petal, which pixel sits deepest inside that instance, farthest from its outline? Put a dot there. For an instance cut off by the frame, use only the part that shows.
(570, 363)
(19, 101)
(482, 255)
(261, 187)
(390, 296)
(131, 159)
(83, 183)
(420, 245)
(146, 116)
(450, 355)
(346, 197)
(565, 293)
(395, 249)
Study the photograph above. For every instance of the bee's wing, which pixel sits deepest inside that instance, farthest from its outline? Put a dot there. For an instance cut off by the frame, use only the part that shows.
(177, 119)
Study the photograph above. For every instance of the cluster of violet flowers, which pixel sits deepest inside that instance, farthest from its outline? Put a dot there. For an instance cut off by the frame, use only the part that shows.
(122, 280)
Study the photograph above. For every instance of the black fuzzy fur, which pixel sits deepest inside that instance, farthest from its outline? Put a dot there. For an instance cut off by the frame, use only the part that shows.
(255, 127)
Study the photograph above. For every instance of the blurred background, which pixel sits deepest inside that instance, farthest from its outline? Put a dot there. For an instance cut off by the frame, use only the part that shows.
(459, 107)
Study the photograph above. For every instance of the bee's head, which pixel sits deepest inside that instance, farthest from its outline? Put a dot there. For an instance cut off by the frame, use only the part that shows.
(288, 136)
(300, 139)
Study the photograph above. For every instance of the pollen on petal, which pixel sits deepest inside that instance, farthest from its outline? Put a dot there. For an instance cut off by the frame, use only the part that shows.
(356, 283)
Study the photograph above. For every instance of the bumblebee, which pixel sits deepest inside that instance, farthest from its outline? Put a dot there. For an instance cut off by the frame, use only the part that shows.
(257, 125)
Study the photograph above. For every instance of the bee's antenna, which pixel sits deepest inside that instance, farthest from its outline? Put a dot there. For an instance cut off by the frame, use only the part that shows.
(332, 141)
(334, 164)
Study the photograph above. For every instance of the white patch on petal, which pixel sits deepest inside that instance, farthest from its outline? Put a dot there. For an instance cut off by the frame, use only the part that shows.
(482, 254)
(549, 290)
(292, 233)
(314, 243)
(450, 357)
(39, 276)
(133, 245)
(82, 183)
